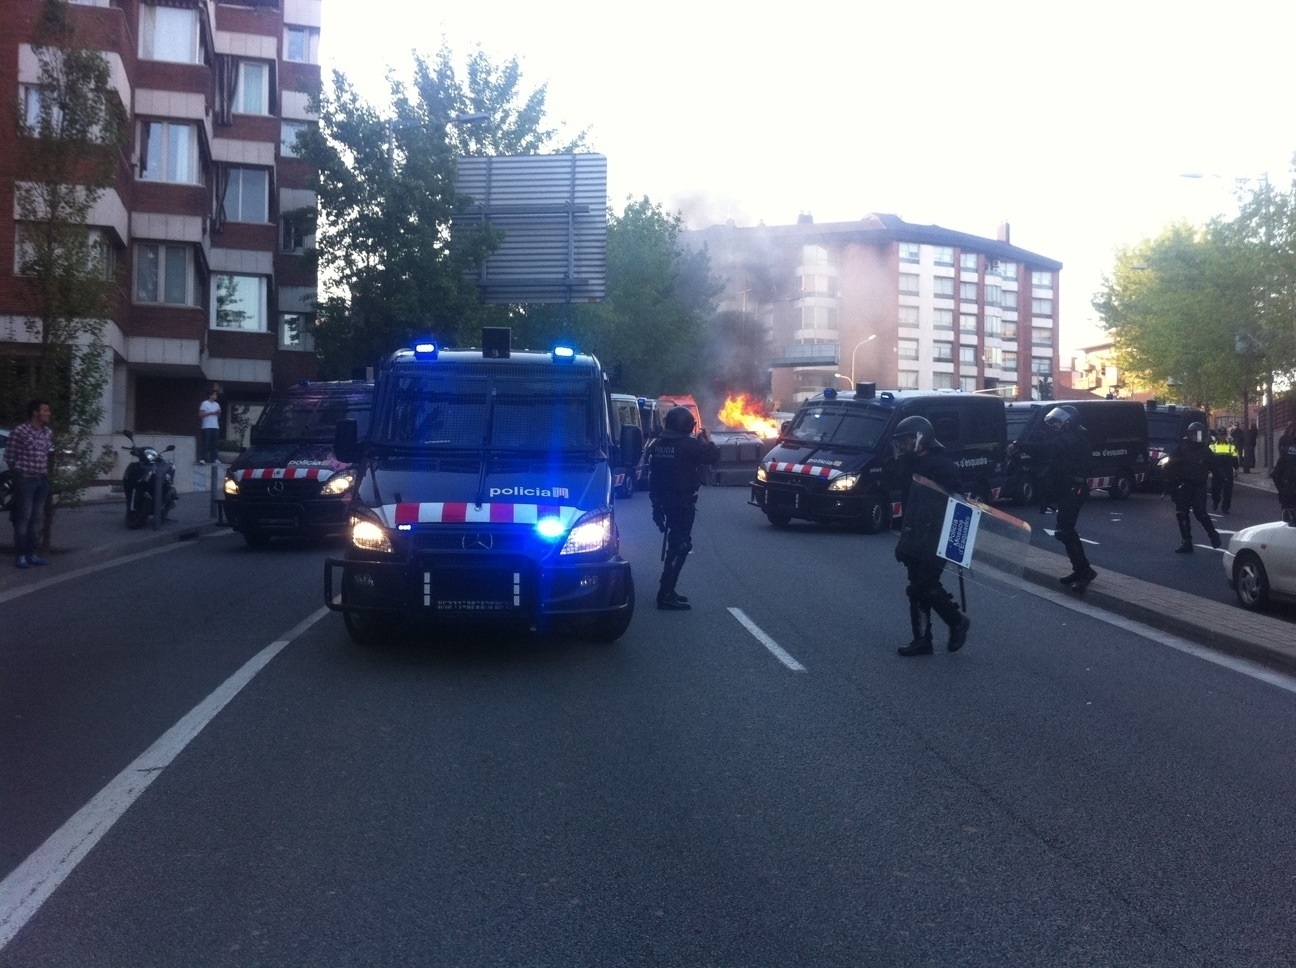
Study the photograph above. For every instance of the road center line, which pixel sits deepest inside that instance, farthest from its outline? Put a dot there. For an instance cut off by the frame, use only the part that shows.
(30, 884)
(765, 640)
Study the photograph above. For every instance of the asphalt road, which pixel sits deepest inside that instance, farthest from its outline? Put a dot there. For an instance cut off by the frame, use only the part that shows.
(1063, 791)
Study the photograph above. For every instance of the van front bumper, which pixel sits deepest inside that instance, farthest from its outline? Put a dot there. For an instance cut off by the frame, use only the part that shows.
(799, 501)
(479, 587)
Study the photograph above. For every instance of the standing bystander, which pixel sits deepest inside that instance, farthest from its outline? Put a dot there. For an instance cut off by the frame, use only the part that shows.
(1284, 472)
(1248, 454)
(27, 454)
(209, 416)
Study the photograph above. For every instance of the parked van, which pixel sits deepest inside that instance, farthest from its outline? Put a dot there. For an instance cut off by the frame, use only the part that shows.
(484, 495)
(1117, 433)
(626, 413)
(290, 481)
(1167, 425)
(832, 463)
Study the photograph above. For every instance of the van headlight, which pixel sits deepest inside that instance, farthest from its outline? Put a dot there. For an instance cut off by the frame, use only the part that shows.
(368, 535)
(231, 487)
(846, 482)
(338, 484)
(593, 532)
(761, 475)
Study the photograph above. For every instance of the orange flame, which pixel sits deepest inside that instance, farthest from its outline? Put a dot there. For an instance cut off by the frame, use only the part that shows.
(744, 413)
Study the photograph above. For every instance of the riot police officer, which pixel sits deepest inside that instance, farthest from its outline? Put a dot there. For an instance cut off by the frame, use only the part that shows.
(1190, 464)
(1066, 452)
(675, 474)
(1284, 473)
(923, 455)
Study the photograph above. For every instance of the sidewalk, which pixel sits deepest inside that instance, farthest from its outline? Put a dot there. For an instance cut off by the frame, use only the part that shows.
(96, 532)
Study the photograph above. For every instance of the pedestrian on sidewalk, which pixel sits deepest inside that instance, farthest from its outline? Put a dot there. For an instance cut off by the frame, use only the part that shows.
(209, 416)
(27, 455)
(1249, 454)
(1284, 472)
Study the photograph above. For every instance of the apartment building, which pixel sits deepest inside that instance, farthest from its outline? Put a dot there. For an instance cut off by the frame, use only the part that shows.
(905, 306)
(203, 226)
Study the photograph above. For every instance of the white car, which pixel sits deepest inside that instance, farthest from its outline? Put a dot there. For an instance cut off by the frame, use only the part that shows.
(1260, 564)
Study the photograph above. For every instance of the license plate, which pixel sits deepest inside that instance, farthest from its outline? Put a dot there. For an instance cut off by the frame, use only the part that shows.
(456, 591)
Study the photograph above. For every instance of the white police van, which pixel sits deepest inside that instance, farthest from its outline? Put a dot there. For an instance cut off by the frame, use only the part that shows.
(484, 495)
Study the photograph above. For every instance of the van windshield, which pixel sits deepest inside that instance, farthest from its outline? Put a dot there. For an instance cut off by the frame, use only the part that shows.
(313, 416)
(840, 426)
(512, 408)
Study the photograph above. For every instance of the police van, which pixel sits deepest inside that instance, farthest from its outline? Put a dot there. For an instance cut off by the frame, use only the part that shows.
(1118, 436)
(625, 413)
(1167, 425)
(832, 463)
(484, 495)
(289, 481)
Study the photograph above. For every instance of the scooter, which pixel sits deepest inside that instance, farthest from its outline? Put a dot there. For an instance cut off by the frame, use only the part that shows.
(149, 483)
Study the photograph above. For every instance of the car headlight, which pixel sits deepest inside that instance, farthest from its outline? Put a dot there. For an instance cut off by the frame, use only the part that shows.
(761, 475)
(368, 535)
(231, 487)
(846, 482)
(338, 484)
(591, 533)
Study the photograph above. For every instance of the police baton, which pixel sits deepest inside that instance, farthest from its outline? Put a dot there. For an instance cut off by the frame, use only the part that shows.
(663, 557)
(962, 591)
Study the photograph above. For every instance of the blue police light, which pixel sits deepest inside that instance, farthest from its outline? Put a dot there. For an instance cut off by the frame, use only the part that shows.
(563, 354)
(830, 393)
(426, 350)
(551, 528)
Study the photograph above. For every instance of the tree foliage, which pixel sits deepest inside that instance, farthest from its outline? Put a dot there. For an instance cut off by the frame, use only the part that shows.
(1200, 315)
(72, 144)
(385, 184)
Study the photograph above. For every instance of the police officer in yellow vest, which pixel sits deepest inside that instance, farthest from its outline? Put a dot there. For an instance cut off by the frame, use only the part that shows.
(1226, 463)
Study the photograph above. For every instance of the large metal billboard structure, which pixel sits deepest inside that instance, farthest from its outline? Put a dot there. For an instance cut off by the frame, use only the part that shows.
(552, 211)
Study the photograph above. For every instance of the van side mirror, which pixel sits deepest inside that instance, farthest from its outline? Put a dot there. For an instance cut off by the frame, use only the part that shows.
(346, 441)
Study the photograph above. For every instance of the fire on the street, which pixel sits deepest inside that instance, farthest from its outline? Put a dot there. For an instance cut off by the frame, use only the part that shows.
(744, 413)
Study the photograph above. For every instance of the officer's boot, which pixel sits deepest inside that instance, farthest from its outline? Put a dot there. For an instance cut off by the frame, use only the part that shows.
(1185, 532)
(958, 623)
(1214, 535)
(666, 597)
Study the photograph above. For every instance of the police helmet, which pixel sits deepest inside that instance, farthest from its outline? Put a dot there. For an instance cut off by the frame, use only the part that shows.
(1197, 432)
(915, 427)
(679, 420)
(1059, 417)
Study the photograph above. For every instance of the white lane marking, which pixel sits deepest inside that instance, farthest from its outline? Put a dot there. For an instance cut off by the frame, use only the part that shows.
(1244, 666)
(765, 640)
(28, 887)
(1053, 534)
(58, 579)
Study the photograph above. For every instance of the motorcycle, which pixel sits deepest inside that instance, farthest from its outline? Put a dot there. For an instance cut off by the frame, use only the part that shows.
(148, 483)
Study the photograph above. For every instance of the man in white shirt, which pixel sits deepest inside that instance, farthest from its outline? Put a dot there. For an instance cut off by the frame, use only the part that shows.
(209, 414)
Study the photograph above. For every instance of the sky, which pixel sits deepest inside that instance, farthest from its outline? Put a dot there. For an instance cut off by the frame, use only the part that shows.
(1073, 121)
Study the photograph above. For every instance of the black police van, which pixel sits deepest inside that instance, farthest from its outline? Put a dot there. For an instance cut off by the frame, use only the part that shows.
(289, 481)
(1118, 437)
(484, 495)
(830, 465)
(1167, 425)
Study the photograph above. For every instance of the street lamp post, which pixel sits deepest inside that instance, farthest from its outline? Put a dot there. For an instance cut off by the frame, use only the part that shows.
(867, 339)
(843, 376)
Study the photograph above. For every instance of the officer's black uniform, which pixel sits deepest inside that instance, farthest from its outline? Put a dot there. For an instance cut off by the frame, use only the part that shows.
(1066, 452)
(925, 592)
(675, 465)
(1284, 474)
(1190, 464)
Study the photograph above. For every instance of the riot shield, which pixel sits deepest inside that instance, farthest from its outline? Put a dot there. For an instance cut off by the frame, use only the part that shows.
(954, 528)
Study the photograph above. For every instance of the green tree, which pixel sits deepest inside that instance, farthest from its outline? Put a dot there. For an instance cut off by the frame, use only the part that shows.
(385, 184)
(72, 137)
